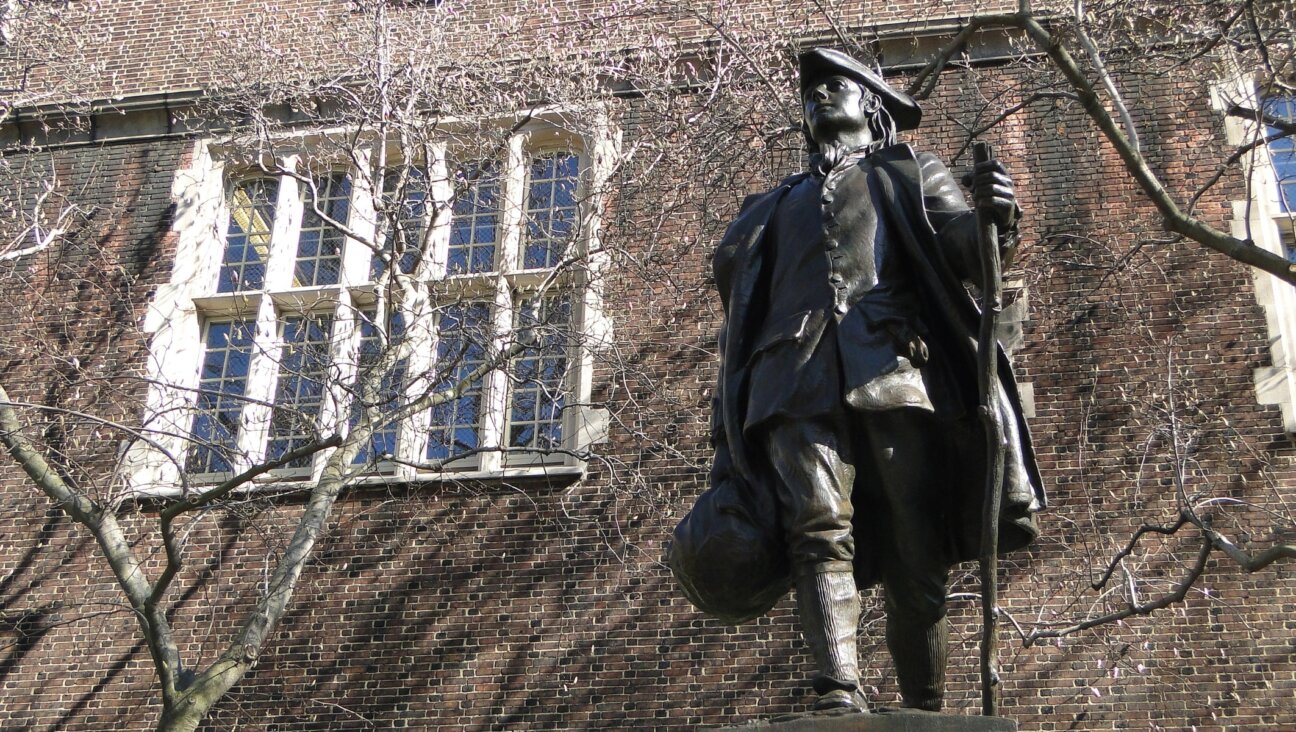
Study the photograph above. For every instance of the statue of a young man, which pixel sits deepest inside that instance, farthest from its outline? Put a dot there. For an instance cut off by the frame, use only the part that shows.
(848, 387)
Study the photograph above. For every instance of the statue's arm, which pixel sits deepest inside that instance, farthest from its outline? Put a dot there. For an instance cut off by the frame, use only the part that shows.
(955, 223)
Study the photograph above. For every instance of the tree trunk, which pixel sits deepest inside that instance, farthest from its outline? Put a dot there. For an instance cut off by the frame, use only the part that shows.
(192, 705)
(184, 719)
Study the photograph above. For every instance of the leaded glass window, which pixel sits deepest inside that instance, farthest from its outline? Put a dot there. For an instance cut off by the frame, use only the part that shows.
(551, 214)
(474, 226)
(222, 381)
(463, 332)
(376, 353)
(248, 235)
(1283, 151)
(405, 198)
(304, 362)
(539, 374)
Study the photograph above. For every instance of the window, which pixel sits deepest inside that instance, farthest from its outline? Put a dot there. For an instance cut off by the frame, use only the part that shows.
(305, 342)
(535, 415)
(405, 194)
(455, 424)
(223, 381)
(1282, 156)
(247, 238)
(474, 227)
(287, 325)
(551, 209)
(1267, 218)
(319, 245)
(1282, 152)
(387, 374)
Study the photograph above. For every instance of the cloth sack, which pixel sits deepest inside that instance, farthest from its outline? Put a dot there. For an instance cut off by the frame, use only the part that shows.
(728, 556)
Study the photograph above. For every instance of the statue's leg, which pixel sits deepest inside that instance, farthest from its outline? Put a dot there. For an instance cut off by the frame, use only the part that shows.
(828, 607)
(912, 479)
(814, 499)
(920, 649)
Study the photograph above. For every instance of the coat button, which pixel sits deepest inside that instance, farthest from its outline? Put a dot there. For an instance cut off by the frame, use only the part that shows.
(835, 279)
(828, 198)
(841, 308)
(831, 244)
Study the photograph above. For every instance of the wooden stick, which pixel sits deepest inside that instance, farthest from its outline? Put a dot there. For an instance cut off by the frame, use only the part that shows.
(987, 380)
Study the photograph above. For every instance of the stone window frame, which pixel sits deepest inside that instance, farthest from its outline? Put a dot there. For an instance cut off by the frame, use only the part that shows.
(180, 309)
(1261, 217)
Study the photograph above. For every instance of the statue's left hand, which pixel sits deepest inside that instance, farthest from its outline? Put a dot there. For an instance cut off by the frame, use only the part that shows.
(992, 192)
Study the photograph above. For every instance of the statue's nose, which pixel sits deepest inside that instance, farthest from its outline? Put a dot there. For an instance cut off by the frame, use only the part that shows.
(820, 93)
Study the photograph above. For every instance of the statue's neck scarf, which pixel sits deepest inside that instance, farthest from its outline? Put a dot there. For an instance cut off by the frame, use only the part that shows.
(832, 156)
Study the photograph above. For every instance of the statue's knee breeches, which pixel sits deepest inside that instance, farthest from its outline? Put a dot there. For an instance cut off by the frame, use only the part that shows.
(814, 491)
(917, 592)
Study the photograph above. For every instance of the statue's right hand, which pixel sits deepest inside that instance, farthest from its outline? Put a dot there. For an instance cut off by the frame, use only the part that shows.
(909, 343)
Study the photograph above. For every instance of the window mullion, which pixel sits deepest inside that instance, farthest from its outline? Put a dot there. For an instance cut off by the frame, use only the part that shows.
(287, 229)
(356, 253)
(441, 193)
(422, 345)
(422, 310)
(340, 376)
(263, 372)
(208, 267)
(513, 181)
(495, 387)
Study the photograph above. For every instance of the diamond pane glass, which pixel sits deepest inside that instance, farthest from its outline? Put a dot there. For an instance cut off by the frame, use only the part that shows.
(539, 375)
(550, 209)
(463, 332)
(222, 381)
(247, 238)
(405, 204)
(376, 361)
(299, 394)
(319, 247)
(475, 221)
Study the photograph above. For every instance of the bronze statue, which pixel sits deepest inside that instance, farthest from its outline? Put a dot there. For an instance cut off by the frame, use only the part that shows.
(847, 445)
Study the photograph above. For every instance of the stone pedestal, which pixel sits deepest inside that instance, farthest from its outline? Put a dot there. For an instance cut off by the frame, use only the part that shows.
(898, 720)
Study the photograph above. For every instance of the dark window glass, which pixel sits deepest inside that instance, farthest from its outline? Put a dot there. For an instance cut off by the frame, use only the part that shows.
(319, 246)
(463, 332)
(550, 209)
(539, 374)
(247, 239)
(299, 394)
(222, 381)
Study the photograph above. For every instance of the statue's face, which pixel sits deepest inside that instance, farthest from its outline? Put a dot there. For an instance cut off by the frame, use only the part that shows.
(835, 107)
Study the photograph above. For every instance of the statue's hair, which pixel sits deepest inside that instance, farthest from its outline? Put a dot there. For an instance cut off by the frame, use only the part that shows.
(880, 124)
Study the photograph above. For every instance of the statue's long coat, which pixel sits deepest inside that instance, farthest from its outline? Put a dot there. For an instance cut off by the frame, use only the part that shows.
(915, 193)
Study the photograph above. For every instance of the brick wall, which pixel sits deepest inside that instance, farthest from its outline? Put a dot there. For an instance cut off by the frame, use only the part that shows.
(132, 47)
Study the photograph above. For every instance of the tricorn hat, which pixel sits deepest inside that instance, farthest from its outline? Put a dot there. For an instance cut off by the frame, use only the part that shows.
(820, 62)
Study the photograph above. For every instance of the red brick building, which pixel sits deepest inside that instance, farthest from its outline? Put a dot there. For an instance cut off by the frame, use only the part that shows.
(190, 293)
